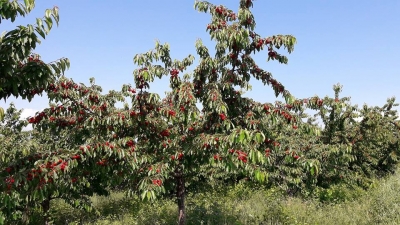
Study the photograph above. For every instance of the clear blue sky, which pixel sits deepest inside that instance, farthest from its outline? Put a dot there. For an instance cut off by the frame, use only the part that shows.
(355, 43)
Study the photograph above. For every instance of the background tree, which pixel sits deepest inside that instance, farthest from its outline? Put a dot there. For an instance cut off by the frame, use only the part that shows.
(356, 145)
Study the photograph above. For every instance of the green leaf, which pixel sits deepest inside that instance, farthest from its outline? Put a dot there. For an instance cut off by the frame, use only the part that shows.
(242, 136)
(27, 3)
(143, 196)
(49, 23)
(149, 195)
(15, 89)
(259, 137)
(40, 32)
(1, 114)
(48, 13)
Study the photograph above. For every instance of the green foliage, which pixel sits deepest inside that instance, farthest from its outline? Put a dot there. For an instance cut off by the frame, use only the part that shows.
(220, 206)
(22, 71)
(378, 205)
(354, 152)
(338, 193)
(85, 144)
(154, 145)
(242, 204)
(37, 168)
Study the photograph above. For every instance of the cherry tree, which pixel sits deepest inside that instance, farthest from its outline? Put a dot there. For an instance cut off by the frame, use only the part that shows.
(163, 143)
(88, 142)
(22, 71)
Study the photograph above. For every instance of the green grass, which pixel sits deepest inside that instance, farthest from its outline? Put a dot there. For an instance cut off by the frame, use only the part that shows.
(243, 205)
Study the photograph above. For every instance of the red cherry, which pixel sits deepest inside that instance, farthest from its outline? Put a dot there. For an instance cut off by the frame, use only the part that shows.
(157, 182)
(62, 167)
(217, 157)
(165, 133)
(76, 157)
(171, 113)
(271, 54)
(222, 116)
(9, 169)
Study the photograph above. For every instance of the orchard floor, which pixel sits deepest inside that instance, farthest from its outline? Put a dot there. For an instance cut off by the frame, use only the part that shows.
(242, 205)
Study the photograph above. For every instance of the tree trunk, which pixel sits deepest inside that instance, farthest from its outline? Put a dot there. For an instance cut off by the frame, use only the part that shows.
(180, 195)
(46, 208)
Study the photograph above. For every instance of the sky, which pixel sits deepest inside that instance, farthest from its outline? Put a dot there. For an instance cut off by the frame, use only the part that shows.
(354, 43)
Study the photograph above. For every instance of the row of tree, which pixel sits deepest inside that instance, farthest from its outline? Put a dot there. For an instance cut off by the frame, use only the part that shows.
(84, 144)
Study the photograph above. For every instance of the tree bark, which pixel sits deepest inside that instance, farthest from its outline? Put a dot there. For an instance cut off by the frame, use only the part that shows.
(180, 195)
(46, 208)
